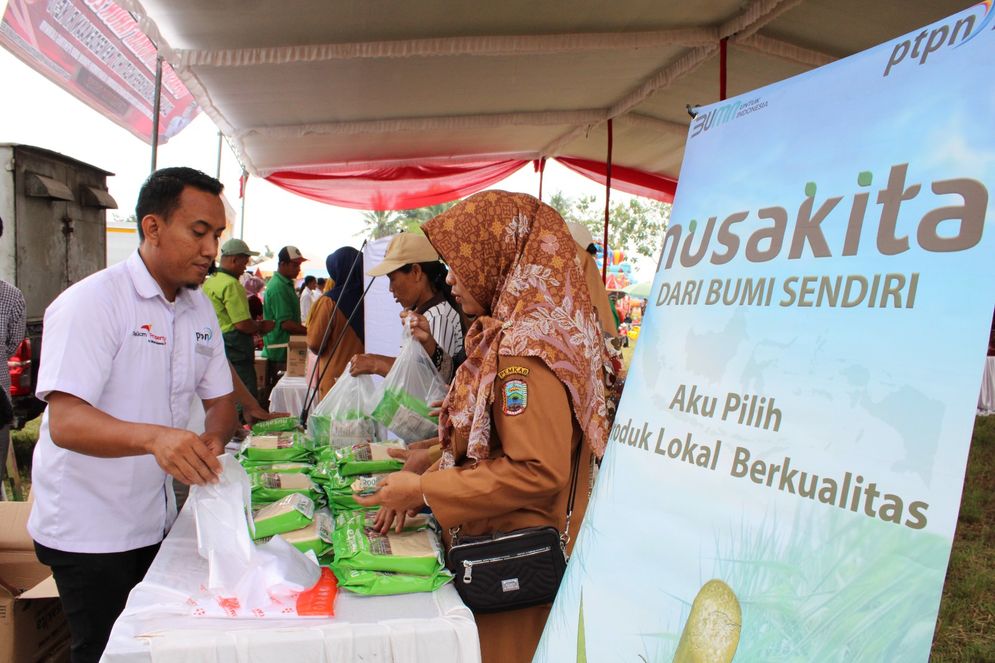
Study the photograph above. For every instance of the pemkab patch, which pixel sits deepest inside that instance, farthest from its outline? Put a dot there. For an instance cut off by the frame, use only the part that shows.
(516, 397)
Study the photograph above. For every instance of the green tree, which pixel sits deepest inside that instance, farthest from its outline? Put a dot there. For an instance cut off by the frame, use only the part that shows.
(636, 226)
(413, 218)
(121, 218)
(382, 224)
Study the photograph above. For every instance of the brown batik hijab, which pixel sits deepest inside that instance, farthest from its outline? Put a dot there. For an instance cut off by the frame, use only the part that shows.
(516, 257)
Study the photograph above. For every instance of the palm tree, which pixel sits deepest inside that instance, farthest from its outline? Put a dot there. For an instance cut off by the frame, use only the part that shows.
(383, 223)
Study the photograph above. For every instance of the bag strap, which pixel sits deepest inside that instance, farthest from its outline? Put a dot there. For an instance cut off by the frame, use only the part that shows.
(565, 535)
(574, 472)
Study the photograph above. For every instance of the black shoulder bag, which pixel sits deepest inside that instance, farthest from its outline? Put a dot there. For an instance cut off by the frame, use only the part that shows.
(511, 570)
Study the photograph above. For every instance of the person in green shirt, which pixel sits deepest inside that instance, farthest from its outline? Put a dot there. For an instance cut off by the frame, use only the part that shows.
(282, 307)
(231, 304)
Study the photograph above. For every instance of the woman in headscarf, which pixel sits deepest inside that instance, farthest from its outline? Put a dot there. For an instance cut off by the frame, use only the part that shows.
(335, 329)
(529, 398)
(418, 284)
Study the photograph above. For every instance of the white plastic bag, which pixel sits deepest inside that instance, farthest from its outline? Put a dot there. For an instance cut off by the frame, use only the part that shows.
(342, 418)
(240, 572)
(412, 383)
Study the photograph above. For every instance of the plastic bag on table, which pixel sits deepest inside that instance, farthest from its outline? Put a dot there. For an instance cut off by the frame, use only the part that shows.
(342, 418)
(244, 575)
(412, 383)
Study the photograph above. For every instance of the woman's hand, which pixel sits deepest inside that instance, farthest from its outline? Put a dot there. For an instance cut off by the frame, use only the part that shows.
(368, 364)
(420, 330)
(398, 494)
(415, 460)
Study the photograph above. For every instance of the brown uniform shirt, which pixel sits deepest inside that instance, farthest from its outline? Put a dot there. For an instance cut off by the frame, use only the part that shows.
(525, 482)
(349, 346)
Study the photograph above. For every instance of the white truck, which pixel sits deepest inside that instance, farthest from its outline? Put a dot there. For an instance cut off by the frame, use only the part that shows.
(54, 234)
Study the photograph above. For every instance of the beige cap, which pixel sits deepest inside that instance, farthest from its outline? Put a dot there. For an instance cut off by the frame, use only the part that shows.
(581, 234)
(405, 249)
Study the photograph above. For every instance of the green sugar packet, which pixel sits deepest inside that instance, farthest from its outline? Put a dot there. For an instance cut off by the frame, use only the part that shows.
(278, 425)
(368, 458)
(275, 447)
(257, 466)
(288, 514)
(316, 536)
(268, 487)
(379, 583)
(357, 546)
(405, 416)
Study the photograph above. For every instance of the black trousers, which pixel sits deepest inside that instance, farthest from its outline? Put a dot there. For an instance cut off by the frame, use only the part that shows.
(93, 588)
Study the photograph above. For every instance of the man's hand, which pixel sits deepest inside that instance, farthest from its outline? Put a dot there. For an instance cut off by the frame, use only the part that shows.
(186, 456)
(214, 442)
(253, 412)
(266, 326)
(420, 330)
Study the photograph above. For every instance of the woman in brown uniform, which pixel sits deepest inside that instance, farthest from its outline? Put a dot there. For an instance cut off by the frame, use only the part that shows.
(346, 330)
(530, 394)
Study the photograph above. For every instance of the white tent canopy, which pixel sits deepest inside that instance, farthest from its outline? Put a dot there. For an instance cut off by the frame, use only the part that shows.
(318, 86)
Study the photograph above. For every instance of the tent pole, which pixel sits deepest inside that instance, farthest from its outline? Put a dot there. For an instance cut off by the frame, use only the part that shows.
(156, 103)
(723, 66)
(608, 189)
(217, 171)
(243, 182)
(541, 167)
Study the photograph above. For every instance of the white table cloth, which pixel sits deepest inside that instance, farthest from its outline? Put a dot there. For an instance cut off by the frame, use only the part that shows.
(434, 628)
(288, 395)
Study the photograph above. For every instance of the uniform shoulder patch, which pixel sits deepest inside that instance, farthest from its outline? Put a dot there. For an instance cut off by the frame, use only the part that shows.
(516, 397)
(513, 370)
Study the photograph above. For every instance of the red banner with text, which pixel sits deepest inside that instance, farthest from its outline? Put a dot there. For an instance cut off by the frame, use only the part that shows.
(95, 50)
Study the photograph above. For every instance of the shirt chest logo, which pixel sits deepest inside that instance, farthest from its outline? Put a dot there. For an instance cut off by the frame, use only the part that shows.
(145, 331)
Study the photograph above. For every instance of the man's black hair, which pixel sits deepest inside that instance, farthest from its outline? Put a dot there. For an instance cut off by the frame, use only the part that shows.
(309, 280)
(160, 194)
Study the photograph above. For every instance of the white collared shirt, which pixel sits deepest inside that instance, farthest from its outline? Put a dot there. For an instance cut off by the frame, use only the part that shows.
(114, 341)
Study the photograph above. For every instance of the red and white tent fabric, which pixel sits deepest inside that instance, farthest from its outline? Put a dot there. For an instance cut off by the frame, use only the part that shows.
(385, 104)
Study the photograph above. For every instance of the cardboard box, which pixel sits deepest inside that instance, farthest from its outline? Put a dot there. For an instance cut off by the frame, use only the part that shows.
(32, 626)
(297, 356)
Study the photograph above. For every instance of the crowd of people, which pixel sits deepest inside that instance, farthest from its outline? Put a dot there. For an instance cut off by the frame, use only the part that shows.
(506, 303)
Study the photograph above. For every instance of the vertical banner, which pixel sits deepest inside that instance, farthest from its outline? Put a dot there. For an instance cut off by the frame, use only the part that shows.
(784, 474)
(95, 50)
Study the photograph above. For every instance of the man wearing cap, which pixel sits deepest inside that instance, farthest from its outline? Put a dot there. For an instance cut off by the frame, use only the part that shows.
(282, 307)
(592, 276)
(231, 303)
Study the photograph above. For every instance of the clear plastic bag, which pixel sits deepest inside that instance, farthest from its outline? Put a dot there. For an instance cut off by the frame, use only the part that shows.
(240, 572)
(412, 383)
(342, 418)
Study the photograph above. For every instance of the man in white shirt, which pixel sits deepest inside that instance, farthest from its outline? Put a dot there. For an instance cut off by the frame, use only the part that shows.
(125, 350)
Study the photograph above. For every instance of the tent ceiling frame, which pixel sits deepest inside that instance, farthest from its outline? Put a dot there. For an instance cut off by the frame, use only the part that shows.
(701, 43)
